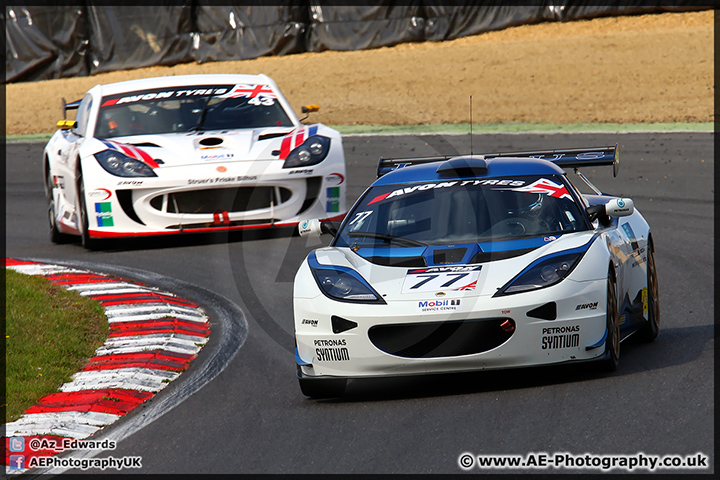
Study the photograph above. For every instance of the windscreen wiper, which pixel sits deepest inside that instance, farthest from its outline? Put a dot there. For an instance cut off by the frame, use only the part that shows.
(198, 126)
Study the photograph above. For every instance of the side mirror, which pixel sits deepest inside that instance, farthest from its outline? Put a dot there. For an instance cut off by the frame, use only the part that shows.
(66, 124)
(308, 109)
(617, 207)
(315, 228)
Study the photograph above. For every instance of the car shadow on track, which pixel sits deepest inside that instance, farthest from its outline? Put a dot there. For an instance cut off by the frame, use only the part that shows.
(191, 239)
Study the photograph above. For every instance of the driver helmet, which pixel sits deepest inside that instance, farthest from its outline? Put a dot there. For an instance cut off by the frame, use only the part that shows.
(527, 204)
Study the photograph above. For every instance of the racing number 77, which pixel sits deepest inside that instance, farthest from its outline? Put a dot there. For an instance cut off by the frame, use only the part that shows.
(429, 278)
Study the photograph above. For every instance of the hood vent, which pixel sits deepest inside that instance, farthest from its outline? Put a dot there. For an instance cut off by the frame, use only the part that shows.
(211, 141)
(268, 136)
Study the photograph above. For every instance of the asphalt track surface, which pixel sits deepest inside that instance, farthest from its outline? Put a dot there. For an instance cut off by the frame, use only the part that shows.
(252, 418)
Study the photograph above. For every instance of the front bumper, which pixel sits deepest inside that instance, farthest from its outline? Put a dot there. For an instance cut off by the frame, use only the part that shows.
(468, 339)
(230, 196)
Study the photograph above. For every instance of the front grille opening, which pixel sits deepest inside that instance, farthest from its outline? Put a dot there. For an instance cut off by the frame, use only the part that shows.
(208, 201)
(544, 312)
(312, 193)
(442, 339)
(125, 201)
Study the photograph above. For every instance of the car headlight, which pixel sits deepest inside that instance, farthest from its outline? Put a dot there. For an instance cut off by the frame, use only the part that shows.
(543, 272)
(118, 164)
(342, 283)
(311, 152)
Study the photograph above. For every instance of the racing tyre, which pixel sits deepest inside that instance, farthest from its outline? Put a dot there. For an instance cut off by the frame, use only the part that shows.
(87, 241)
(650, 330)
(56, 236)
(612, 343)
(325, 388)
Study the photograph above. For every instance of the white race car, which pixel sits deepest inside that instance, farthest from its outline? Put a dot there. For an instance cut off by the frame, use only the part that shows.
(475, 262)
(183, 154)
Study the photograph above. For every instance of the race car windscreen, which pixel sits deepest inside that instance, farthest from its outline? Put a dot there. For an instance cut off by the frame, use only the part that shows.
(461, 211)
(186, 109)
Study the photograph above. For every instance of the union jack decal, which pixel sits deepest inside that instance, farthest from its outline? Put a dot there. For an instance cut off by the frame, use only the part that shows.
(546, 187)
(242, 90)
(132, 151)
(296, 138)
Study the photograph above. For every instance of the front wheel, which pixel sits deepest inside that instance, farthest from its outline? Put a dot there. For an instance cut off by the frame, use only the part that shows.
(322, 388)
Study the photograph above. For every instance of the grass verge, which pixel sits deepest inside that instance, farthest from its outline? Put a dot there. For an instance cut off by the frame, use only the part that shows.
(50, 333)
(460, 128)
(518, 127)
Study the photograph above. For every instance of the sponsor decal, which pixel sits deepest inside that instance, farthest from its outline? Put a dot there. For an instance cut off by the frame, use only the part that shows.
(587, 306)
(302, 171)
(103, 213)
(440, 294)
(555, 338)
(335, 178)
(58, 181)
(309, 321)
(551, 238)
(435, 306)
(645, 301)
(216, 156)
(498, 183)
(333, 350)
(333, 200)
(216, 180)
(334, 342)
(456, 183)
(546, 187)
(100, 194)
(416, 188)
(332, 354)
(148, 95)
(622, 320)
(135, 183)
(432, 279)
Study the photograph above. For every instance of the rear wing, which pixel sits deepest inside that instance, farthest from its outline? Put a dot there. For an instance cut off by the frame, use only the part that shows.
(69, 106)
(567, 158)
